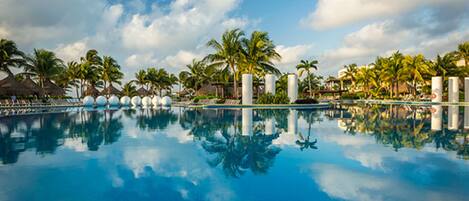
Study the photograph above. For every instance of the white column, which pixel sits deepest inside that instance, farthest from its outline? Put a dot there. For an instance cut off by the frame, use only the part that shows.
(437, 89)
(437, 115)
(453, 117)
(293, 122)
(292, 87)
(269, 126)
(466, 117)
(270, 83)
(246, 121)
(466, 89)
(247, 89)
(453, 89)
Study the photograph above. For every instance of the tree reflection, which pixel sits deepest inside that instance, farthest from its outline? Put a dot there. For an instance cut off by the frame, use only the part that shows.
(403, 126)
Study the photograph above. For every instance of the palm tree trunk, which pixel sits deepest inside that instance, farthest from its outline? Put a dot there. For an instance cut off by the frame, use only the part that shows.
(235, 86)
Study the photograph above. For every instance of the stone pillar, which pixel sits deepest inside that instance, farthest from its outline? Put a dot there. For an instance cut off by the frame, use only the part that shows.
(270, 84)
(466, 89)
(292, 87)
(466, 117)
(453, 89)
(269, 126)
(293, 122)
(437, 89)
(453, 117)
(437, 115)
(247, 89)
(246, 121)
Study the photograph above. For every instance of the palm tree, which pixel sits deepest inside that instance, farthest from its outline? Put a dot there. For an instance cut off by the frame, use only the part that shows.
(416, 67)
(111, 71)
(307, 66)
(394, 71)
(91, 68)
(350, 73)
(258, 52)
(129, 89)
(73, 73)
(141, 78)
(197, 75)
(463, 53)
(227, 53)
(10, 56)
(365, 77)
(44, 65)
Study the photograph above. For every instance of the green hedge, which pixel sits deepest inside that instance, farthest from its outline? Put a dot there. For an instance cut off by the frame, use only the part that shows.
(198, 98)
(268, 98)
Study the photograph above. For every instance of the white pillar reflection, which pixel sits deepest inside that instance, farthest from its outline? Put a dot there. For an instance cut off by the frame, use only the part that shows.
(269, 126)
(247, 121)
(466, 117)
(437, 115)
(293, 122)
(453, 117)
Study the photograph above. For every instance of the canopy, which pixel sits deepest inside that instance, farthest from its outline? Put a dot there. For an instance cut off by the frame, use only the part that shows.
(9, 87)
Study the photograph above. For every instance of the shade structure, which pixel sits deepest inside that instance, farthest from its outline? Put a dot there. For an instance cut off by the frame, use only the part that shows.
(111, 90)
(52, 89)
(37, 90)
(9, 87)
(91, 91)
(142, 91)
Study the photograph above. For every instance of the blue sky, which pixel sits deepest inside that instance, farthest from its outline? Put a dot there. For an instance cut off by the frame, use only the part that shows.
(170, 33)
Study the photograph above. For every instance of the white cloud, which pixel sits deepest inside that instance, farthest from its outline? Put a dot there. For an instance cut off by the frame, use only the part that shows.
(335, 13)
(291, 55)
(72, 51)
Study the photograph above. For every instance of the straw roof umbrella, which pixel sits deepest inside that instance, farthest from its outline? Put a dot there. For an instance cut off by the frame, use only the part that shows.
(110, 90)
(9, 87)
(52, 89)
(28, 82)
(91, 91)
(142, 91)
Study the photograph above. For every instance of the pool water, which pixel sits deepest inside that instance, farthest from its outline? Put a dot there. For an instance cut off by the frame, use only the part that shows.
(345, 153)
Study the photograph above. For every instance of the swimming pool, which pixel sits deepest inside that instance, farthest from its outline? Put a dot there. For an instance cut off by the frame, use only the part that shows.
(377, 152)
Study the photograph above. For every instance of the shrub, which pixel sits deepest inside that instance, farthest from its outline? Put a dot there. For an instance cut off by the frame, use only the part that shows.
(268, 98)
(197, 98)
(349, 96)
(307, 101)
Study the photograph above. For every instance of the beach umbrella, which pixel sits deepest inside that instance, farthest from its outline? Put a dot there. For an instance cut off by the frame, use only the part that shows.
(9, 87)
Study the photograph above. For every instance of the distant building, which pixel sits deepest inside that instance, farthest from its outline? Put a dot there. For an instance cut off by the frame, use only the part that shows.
(460, 63)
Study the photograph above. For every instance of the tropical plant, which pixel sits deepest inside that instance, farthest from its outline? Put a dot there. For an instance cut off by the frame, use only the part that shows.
(91, 68)
(278, 98)
(10, 56)
(350, 74)
(415, 68)
(257, 55)
(141, 78)
(43, 65)
(227, 53)
(307, 66)
(129, 89)
(111, 71)
(463, 53)
(197, 75)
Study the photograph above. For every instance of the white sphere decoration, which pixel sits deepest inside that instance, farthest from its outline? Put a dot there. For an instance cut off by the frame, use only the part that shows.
(136, 101)
(88, 101)
(146, 101)
(113, 101)
(125, 101)
(101, 101)
(156, 101)
(166, 101)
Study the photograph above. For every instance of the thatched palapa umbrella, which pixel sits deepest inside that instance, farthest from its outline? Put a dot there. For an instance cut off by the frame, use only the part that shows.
(111, 90)
(52, 89)
(9, 87)
(142, 91)
(28, 82)
(91, 91)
